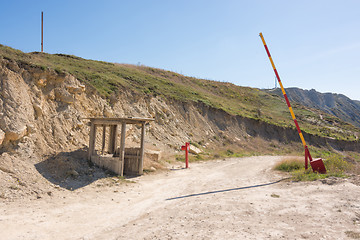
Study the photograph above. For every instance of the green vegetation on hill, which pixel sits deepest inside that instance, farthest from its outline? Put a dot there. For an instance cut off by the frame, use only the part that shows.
(111, 78)
(335, 166)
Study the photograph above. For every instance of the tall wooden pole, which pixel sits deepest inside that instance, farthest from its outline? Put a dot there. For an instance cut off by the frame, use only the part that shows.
(42, 31)
(92, 139)
(142, 146)
(122, 149)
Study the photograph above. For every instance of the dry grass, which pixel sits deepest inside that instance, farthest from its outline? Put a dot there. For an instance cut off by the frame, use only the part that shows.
(352, 234)
(335, 166)
(290, 164)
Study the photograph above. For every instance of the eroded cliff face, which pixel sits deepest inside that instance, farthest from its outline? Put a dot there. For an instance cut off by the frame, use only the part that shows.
(48, 111)
(43, 127)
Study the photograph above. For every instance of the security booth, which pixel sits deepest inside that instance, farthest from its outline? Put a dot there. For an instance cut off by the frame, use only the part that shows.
(112, 154)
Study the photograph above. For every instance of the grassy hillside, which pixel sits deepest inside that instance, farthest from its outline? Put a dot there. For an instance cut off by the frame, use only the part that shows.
(110, 78)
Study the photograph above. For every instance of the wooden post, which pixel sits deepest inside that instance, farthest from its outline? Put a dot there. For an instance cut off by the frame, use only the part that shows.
(112, 139)
(142, 146)
(103, 139)
(122, 149)
(92, 139)
(42, 31)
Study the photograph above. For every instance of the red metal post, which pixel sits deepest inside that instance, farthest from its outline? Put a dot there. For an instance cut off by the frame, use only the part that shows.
(187, 145)
(186, 148)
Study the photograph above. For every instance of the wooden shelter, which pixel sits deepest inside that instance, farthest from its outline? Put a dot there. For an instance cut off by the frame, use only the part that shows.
(120, 160)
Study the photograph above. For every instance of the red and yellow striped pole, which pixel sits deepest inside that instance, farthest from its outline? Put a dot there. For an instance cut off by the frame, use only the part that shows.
(307, 153)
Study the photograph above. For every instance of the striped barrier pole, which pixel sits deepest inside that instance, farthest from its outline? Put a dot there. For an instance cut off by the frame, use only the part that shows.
(307, 153)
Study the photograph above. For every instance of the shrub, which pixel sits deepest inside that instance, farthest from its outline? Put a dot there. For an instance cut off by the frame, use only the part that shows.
(335, 166)
(229, 152)
(290, 165)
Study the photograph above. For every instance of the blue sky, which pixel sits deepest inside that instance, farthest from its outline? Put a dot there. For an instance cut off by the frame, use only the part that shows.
(315, 44)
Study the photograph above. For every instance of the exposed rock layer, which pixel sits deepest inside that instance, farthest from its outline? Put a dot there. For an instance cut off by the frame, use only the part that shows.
(43, 126)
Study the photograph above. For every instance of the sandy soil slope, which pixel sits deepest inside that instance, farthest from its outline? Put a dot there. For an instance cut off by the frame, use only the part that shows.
(225, 199)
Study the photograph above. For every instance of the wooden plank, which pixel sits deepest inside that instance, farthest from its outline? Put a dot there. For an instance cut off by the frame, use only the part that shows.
(132, 151)
(121, 119)
(122, 148)
(142, 145)
(92, 139)
(131, 166)
(115, 121)
(132, 157)
(112, 139)
(103, 139)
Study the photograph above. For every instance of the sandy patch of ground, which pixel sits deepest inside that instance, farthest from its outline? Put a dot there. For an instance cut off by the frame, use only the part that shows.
(225, 199)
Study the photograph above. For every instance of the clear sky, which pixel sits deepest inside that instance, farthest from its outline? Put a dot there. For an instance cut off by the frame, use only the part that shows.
(315, 43)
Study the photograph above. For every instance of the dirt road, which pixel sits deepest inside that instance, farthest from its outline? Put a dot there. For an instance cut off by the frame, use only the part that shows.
(234, 199)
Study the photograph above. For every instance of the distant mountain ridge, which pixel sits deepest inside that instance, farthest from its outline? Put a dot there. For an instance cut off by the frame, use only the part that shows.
(338, 105)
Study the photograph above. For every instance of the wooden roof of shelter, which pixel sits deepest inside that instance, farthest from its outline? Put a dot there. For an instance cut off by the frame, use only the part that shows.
(113, 121)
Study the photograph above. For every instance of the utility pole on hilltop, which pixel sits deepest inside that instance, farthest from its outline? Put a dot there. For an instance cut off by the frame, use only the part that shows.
(42, 31)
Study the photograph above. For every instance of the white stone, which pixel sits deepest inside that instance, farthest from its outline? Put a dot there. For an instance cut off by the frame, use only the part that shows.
(153, 155)
(194, 150)
(2, 136)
